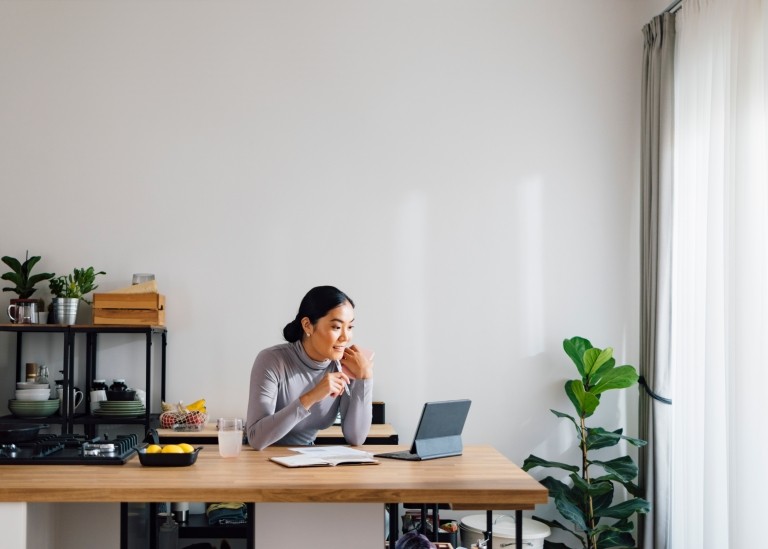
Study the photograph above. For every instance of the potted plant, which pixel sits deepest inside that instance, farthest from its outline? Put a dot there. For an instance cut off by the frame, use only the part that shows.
(24, 281)
(586, 499)
(69, 290)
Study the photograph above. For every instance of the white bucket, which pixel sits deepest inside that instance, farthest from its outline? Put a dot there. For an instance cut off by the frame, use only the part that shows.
(473, 526)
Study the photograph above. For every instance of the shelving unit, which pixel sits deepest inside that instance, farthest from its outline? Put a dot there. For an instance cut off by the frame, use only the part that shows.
(140, 520)
(69, 419)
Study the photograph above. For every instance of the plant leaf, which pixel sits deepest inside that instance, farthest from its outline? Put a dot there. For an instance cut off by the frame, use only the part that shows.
(535, 461)
(557, 489)
(597, 438)
(625, 509)
(573, 420)
(591, 488)
(598, 374)
(584, 402)
(611, 538)
(618, 378)
(622, 468)
(571, 512)
(552, 523)
(13, 263)
(595, 358)
(575, 348)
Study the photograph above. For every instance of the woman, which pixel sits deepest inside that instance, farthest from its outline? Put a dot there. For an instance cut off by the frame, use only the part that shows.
(299, 387)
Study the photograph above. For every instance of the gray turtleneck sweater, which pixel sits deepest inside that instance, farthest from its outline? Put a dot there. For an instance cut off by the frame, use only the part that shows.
(280, 375)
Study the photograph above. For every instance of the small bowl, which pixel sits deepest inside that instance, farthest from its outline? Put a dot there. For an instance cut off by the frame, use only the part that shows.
(167, 460)
(121, 395)
(33, 394)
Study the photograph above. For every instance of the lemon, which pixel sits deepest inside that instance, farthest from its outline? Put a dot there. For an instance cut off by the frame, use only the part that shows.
(186, 448)
(172, 449)
(153, 449)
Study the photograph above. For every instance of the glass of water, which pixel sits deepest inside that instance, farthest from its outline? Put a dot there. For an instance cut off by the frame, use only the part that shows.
(230, 436)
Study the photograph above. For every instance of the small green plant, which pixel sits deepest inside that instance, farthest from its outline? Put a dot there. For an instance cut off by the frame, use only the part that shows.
(76, 284)
(588, 498)
(21, 276)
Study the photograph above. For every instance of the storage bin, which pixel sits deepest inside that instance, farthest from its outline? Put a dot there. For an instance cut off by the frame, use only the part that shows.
(146, 309)
(472, 528)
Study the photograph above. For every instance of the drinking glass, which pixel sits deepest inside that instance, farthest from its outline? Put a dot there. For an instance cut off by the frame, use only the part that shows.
(230, 436)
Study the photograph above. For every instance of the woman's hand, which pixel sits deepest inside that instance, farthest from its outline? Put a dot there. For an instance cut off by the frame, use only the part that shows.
(330, 385)
(357, 362)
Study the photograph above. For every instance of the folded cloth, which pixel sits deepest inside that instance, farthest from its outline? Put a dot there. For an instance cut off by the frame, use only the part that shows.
(227, 513)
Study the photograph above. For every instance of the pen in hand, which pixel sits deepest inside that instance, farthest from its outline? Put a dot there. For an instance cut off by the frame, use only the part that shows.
(338, 367)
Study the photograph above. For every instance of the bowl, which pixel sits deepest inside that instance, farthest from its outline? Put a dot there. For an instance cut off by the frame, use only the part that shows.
(33, 394)
(121, 395)
(167, 460)
(33, 408)
(30, 385)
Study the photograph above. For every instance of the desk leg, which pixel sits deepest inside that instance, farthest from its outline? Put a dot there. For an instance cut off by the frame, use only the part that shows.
(489, 527)
(394, 517)
(518, 528)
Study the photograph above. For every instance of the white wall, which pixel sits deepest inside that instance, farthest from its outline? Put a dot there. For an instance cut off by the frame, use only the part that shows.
(466, 171)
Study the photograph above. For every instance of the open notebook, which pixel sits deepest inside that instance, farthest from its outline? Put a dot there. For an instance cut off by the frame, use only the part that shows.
(325, 456)
(438, 433)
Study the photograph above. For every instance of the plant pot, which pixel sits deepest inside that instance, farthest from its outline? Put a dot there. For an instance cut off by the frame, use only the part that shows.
(65, 310)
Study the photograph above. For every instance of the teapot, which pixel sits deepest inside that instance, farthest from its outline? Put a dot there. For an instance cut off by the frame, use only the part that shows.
(23, 311)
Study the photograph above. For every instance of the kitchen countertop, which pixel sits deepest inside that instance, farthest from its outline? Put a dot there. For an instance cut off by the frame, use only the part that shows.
(481, 478)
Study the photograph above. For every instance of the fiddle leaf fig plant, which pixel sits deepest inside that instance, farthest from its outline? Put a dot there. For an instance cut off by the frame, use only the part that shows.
(76, 284)
(21, 276)
(586, 498)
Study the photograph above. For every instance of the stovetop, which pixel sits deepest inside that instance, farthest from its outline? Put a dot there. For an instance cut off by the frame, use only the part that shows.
(70, 449)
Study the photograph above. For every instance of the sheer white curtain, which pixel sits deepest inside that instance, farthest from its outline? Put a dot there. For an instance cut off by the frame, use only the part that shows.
(719, 318)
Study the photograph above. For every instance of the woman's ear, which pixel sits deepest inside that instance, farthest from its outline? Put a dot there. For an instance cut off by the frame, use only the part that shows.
(306, 325)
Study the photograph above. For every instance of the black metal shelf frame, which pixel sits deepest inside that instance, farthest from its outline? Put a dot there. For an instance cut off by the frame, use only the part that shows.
(69, 418)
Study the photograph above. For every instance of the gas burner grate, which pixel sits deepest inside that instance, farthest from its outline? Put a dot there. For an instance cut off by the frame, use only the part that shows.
(67, 449)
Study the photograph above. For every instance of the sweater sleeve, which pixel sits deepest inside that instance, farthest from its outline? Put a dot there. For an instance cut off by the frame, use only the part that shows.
(357, 411)
(265, 425)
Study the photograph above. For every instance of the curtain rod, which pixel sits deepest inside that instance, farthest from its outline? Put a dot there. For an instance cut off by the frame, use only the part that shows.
(674, 6)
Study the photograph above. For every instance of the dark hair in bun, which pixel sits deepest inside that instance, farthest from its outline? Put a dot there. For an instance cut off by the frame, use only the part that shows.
(315, 305)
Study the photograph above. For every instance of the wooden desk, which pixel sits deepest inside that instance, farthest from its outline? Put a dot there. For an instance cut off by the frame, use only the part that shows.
(480, 478)
(379, 434)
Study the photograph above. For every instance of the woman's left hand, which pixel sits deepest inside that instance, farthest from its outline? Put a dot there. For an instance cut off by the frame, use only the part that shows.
(357, 363)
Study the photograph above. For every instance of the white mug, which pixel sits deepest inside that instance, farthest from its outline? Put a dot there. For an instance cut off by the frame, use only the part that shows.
(76, 397)
(97, 396)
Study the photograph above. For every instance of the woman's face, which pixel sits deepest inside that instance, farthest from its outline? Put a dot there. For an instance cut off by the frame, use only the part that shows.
(330, 335)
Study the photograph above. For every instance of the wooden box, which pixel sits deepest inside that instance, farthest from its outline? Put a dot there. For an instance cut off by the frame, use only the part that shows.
(145, 309)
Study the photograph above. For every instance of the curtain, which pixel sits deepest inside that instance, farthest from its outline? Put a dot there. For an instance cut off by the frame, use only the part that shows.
(656, 193)
(719, 307)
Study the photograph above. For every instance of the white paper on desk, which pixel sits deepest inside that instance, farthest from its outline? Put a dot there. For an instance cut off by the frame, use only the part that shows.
(310, 456)
(334, 452)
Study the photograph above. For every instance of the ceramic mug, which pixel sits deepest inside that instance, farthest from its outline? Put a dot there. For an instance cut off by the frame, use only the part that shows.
(97, 395)
(76, 397)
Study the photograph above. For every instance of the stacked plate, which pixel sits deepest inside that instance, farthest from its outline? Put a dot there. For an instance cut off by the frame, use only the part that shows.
(123, 408)
(33, 408)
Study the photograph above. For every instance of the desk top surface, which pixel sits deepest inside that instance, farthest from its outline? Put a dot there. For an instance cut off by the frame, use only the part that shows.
(481, 478)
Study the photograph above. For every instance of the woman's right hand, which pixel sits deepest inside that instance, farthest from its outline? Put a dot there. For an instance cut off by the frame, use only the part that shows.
(330, 385)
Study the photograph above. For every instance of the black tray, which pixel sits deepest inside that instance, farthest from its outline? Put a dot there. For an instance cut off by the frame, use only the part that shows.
(167, 460)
